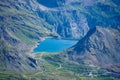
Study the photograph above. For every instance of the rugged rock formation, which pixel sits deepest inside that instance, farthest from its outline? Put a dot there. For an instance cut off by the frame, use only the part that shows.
(68, 24)
(74, 18)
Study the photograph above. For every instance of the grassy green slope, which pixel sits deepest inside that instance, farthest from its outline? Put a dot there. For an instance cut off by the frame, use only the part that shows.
(20, 29)
(55, 67)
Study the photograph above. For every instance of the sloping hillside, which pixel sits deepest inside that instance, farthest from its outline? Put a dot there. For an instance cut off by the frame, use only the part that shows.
(20, 29)
(101, 46)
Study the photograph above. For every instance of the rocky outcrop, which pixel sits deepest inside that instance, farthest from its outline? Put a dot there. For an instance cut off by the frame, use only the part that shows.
(68, 24)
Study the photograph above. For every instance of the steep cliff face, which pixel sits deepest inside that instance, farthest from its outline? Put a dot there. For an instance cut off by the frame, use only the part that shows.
(74, 18)
(101, 46)
(68, 24)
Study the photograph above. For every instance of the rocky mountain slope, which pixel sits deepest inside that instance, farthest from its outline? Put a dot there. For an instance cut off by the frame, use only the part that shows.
(101, 46)
(20, 28)
(24, 22)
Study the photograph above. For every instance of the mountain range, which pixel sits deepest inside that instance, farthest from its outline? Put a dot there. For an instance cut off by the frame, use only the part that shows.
(95, 23)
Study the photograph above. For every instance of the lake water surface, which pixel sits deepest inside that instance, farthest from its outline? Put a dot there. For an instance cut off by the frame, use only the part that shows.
(54, 45)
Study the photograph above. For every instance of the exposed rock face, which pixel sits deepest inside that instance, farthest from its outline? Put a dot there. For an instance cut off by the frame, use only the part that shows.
(74, 18)
(101, 46)
(68, 24)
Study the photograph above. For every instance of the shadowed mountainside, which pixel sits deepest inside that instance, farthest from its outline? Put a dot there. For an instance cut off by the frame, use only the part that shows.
(101, 46)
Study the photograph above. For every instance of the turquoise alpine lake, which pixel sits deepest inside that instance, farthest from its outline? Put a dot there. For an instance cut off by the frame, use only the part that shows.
(54, 45)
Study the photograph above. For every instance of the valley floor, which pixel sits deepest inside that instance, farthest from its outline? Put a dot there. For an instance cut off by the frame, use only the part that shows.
(54, 67)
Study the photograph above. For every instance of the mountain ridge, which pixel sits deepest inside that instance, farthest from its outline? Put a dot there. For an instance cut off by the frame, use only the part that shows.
(99, 47)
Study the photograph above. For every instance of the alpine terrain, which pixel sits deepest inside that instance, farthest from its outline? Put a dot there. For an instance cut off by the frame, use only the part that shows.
(94, 23)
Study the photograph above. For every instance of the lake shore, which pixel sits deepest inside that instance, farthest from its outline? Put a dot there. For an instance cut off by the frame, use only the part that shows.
(50, 44)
